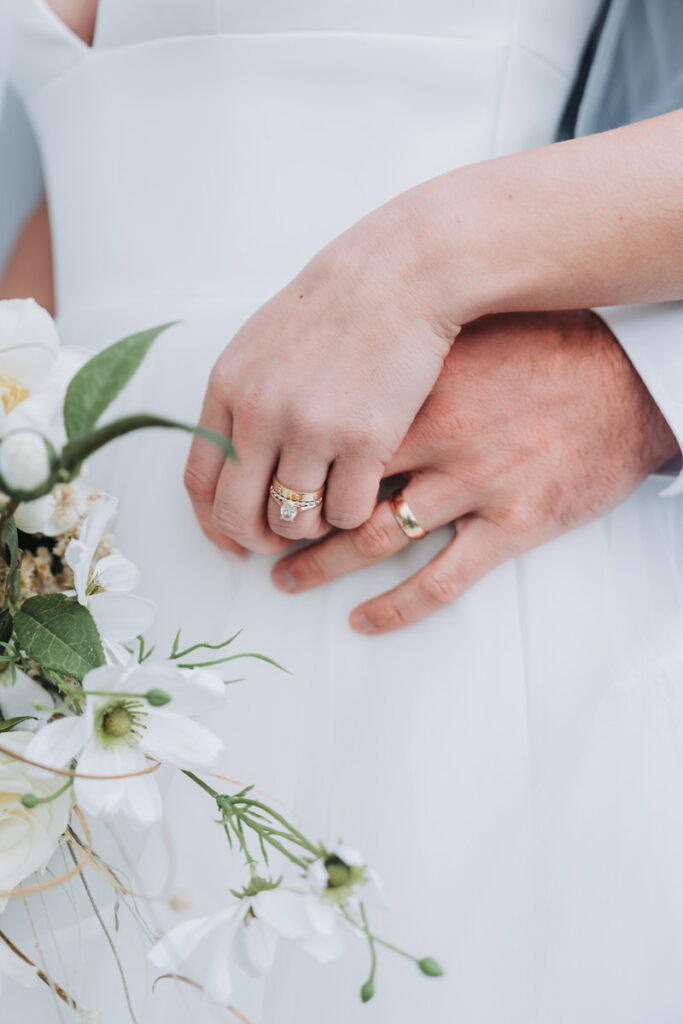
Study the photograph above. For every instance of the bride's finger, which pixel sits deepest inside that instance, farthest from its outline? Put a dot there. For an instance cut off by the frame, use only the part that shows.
(303, 473)
(431, 500)
(478, 547)
(242, 494)
(203, 468)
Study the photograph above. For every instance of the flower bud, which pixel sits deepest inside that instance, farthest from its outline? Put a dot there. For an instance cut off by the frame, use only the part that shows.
(27, 464)
(367, 991)
(430, 967)
(29, 800)
(157, 698)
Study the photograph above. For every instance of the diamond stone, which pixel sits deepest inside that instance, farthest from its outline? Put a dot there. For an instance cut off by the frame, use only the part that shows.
(288, 511)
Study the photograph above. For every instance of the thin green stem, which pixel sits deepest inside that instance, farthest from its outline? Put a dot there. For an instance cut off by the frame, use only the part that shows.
(31, 800)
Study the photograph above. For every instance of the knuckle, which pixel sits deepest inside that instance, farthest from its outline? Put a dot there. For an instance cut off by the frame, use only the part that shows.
(220, 377)
(440, 586)
(197, 484)
(371, 540)
(228, 522)
(308, 568)
(341, 519)
(393, 617)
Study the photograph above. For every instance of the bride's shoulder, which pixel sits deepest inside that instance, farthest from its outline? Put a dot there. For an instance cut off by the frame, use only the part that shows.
(78, 15)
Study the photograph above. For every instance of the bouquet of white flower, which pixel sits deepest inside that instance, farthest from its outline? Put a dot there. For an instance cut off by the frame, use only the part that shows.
(88, 713)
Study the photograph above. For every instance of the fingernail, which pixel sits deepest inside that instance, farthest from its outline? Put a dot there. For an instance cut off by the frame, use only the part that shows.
(283, 579)
(361, 624)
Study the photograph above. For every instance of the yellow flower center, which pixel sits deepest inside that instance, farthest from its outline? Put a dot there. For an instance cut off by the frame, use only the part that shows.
(12, 391)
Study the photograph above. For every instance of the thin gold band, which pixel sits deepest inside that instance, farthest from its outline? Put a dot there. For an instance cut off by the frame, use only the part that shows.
(405, 518)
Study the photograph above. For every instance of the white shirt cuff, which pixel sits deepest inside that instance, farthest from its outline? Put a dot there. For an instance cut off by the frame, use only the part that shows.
(652, 337)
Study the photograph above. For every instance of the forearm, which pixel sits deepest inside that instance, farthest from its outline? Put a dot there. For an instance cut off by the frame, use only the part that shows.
(594, 221)
(28, 273)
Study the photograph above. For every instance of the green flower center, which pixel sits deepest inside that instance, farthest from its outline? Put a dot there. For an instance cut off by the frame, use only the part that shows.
(341, 878)
(117, 722)
(123, 720)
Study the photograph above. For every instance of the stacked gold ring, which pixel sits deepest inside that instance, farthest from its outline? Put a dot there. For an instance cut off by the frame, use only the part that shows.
(292, 502)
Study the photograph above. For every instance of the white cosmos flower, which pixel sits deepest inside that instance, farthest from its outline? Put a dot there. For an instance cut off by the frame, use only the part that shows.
(114, 734)
(244, 933)
(104, 587)
(336, 883)
(35, 372)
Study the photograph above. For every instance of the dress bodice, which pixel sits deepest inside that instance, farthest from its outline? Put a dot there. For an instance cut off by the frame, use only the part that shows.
(210, 147)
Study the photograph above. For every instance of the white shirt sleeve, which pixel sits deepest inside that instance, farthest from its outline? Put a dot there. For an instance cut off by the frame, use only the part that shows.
(652, 337)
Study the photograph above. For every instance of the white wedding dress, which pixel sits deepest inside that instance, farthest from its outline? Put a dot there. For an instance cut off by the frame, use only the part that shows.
(512, 766)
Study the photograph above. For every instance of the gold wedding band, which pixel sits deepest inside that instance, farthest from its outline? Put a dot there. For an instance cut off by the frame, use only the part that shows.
(292, 502)
(405, 518)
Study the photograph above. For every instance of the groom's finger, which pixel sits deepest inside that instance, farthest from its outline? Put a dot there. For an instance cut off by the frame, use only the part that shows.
(432, 501)
(478, 547)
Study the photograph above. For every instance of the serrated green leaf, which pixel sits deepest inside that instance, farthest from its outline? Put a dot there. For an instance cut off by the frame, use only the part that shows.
(60, 634)
(103, 377)
(12, 723)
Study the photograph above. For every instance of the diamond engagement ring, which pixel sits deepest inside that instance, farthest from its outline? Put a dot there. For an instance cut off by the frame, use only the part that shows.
(292, 502)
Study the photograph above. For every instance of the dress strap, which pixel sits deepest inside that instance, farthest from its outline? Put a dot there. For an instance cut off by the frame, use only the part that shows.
(42, 47)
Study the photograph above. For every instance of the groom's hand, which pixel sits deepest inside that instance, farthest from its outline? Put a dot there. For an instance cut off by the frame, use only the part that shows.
(538, 423)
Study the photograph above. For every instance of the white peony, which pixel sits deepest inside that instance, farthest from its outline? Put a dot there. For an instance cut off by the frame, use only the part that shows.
(28, 837)
(35, 372)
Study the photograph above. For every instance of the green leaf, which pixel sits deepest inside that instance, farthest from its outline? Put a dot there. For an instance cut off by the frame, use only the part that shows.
(11, 540)
(6, 626)
(102, 378)
(60, 634)
(11, 723)
(78, 449)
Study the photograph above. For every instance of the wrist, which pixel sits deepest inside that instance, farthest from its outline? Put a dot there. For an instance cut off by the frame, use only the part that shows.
(458, 256)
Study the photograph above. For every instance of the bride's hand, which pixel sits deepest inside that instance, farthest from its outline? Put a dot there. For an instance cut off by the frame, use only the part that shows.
(320, 386)
(537, 424)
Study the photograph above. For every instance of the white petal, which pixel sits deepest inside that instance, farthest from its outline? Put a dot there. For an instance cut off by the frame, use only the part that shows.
(284, 910)
(94, 526)
(137, 798)
(20, 697)
(174, 739)
(192, 693)
(321, 914)
(36, 516)
(178, 944)
(78, 557)
(349, 855)
(57, 743)
(254, 946)
(121, 616)
(106, 677)
(115, 572)
(28, 341)
(206, 691)
(317, 876)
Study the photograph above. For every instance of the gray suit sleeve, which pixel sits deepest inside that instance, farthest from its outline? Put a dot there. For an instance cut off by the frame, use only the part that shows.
(636, 72)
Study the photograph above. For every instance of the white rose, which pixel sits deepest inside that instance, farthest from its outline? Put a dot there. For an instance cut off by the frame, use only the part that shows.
(26, 462)
(35, 372)
(28, 837)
